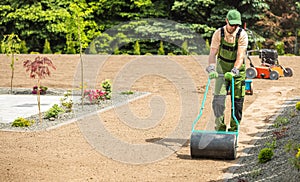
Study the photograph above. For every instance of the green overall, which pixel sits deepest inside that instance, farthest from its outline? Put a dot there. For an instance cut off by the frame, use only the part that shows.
(225, 62)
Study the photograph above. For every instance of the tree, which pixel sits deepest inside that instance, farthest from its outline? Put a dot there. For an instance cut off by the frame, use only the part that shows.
(70, 45)
(280, 23)
(11, 46)
(47, 48)
(79, 12)
(185, 48)
(161, 50)
(205, 16)
(136, 48)
(35, 21)
(23, 47)
(39, 68)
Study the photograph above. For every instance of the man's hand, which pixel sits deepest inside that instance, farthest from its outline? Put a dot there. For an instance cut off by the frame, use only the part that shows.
(229, 75)
(210, 68)
(234, 72)
(211, 71)
(213, 75)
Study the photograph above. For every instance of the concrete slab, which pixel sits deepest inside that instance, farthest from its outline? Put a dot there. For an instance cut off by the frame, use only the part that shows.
(14, 106)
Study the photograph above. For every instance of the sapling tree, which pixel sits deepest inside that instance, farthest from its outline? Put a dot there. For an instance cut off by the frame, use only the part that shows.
(136, 48)
(11, 45)
(161, 50)
(76, 28)
(39, 68)
(47, 48)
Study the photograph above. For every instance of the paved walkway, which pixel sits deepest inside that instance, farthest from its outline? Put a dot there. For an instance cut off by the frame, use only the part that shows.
(14, 106)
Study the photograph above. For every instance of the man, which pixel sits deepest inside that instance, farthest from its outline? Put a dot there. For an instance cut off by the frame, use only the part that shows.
(227, 52)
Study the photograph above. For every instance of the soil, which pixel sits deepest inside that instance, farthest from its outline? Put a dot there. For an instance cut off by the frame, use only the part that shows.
(80, 152)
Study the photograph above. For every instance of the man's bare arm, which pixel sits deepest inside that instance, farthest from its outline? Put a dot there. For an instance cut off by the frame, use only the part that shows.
(212, 56)
(240, 57)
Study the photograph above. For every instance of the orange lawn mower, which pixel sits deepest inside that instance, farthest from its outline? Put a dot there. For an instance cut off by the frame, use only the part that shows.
(269, 68)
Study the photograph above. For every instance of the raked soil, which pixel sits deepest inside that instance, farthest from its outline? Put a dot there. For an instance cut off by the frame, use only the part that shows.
(148, 137)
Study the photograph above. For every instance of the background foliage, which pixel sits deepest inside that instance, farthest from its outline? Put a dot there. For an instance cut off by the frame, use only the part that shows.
(44, 23)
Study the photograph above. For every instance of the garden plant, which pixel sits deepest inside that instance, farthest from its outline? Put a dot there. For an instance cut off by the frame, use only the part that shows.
(11, 45)
(66, 101)
(39, 68)
(22, 122)
(54, 111)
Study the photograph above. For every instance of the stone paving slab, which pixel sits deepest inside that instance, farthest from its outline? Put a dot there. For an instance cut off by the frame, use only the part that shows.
(14, 106)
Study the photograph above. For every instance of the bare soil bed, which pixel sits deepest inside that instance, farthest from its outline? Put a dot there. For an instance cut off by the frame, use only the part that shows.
(67, 153)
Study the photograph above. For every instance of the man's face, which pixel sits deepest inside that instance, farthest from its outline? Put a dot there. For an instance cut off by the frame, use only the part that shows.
(230, 28)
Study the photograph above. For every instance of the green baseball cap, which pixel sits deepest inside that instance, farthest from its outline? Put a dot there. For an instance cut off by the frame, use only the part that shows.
(234, 17)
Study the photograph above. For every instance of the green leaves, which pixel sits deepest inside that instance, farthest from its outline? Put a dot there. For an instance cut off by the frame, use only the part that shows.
(22, 122)
(54, 111)
(265, 155)
(11, 44)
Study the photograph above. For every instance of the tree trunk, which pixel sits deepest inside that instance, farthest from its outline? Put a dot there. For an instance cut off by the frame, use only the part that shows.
(296, 43)
(81, 61)
(39, 101)
(12, 72)
(11, 80)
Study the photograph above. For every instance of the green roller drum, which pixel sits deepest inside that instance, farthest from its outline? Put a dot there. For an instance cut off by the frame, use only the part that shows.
(214, 144)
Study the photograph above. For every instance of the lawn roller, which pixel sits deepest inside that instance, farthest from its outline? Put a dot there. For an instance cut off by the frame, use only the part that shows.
(214, 144)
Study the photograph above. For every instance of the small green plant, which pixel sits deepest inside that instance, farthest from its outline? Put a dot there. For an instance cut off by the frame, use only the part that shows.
(276, 125)
(298, 106)
(107, 87)
(295, 161)
(280, 121)
(129, 92)
(66, 101)
(298, 154)
(265, 155)
(272, 144)
(255, 172)
(22, 122)
(288, 146)
(54, 111)
(42, 89)
(294, 150)
(293, 113)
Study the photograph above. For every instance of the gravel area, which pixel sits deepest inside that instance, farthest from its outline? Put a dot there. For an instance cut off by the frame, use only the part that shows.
(78, 110)
(283, 135)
